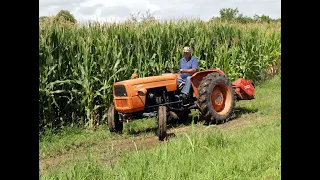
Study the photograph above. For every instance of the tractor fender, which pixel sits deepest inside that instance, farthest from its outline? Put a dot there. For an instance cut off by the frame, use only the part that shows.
(197, 77)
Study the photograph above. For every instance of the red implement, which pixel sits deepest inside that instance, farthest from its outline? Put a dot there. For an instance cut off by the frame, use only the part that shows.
(244, 89)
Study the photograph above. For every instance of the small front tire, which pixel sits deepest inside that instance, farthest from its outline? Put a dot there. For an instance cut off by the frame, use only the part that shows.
(114, 124)
(162, 122)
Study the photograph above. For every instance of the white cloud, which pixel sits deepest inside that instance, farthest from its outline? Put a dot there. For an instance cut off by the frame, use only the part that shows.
(112, 10)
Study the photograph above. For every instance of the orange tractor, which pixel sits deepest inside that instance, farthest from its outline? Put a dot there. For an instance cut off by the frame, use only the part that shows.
(158, 96)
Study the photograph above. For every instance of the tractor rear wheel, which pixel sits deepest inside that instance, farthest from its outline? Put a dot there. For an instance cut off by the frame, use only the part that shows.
(114, 123)
(216, 98)
(162, 122)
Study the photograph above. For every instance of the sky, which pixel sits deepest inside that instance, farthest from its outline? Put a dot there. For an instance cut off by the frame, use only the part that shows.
(116, 10)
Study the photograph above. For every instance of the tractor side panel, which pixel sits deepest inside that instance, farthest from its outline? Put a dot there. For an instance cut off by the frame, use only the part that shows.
(197, 77)
(170, 85)
(138, 103)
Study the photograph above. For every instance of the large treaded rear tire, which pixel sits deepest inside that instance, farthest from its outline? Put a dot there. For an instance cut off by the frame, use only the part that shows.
(216, 98)
(114, 124)
(162, 122)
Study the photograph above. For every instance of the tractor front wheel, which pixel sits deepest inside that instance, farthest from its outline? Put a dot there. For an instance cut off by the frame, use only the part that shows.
(162, 122)
(216, 98)
(114, 124)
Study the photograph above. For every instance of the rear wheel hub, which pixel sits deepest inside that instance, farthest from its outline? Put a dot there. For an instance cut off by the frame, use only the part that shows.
(217, 99)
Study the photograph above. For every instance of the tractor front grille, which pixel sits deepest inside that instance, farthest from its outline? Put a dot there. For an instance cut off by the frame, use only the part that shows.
(120, 91)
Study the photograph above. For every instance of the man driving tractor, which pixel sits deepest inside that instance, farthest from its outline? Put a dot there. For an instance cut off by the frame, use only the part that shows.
(188, 65)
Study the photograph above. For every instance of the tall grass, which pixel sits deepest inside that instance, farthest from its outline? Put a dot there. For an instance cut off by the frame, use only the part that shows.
(79, 64)
(249, 153)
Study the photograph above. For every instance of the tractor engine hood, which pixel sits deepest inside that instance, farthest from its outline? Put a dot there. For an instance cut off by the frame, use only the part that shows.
(132, 86)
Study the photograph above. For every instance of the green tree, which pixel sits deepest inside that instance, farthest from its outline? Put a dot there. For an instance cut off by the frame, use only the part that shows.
(65, 15)
(148, 17)
(134, 17)
(243, 19)
(139, 17)
(262, 18)
(228, 14)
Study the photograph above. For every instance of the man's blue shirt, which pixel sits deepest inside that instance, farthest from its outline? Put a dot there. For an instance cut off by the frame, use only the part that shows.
(184, 64)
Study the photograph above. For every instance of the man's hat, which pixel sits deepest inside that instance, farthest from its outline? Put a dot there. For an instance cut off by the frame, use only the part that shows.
(187, 49)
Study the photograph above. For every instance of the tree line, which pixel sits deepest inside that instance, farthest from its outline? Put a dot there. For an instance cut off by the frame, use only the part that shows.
(226, 15)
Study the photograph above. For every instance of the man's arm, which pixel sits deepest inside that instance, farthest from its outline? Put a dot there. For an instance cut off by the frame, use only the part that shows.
(191, 71)
(194, 68)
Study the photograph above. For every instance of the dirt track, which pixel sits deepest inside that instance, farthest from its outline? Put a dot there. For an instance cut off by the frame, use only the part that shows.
(114, 147)
(109, 151)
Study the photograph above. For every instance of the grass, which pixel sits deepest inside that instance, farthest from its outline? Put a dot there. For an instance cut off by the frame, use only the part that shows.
(73, 139)
(245, 148)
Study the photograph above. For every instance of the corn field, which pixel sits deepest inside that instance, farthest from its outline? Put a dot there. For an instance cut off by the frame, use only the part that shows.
(79, 64)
